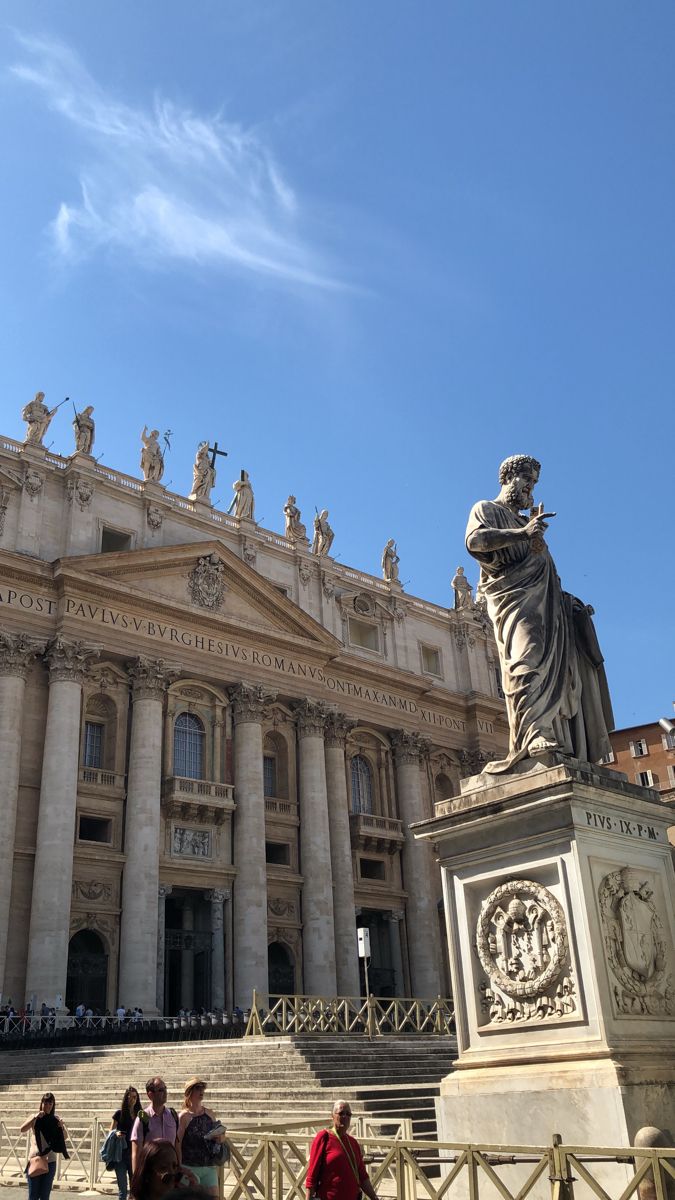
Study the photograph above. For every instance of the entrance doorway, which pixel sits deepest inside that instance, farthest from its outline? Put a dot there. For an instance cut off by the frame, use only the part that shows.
(281, 971)
(188, 946)
(87, 980)
(381, 974)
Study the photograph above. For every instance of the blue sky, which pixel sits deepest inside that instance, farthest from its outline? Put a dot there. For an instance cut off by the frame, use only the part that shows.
(373, 248)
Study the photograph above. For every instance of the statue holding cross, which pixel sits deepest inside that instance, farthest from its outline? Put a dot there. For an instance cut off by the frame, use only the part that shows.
(203, 473)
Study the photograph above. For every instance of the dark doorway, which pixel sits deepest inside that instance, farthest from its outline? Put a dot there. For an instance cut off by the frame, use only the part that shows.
(381, 975)
(281, 971)
(87, 981)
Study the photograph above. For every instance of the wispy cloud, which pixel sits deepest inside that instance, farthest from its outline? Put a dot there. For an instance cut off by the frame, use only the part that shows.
(165, 184)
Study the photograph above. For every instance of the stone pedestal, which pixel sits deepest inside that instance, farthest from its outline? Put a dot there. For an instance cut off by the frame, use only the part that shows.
(559, 895)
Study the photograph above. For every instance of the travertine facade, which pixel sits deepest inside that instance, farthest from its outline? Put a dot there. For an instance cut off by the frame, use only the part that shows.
(213, 742)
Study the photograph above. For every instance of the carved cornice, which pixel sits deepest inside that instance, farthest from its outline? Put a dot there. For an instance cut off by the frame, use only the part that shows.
(311, 717)
(409, 747)
(338, 729)
(250, 702)
(69, 661)
(16, 652)
(150, 677)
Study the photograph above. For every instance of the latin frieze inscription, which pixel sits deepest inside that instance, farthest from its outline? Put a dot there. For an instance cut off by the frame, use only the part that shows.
(27, 601)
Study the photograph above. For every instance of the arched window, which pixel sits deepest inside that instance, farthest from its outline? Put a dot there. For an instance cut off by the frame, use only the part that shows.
(362, 785)
(188, 746)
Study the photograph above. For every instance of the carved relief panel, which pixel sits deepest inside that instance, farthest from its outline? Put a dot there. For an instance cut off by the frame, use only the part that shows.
(637, 943)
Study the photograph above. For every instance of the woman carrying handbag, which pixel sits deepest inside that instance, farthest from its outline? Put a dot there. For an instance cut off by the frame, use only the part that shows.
(336, 1170)
(48, 1139)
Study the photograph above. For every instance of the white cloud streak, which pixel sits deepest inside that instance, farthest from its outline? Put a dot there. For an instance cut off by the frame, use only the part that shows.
(166, 185)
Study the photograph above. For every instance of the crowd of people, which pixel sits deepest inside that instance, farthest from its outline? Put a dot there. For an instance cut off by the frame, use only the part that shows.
(155, 1150)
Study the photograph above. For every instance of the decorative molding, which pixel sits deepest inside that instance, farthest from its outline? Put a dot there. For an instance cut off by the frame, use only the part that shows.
(464, 637)
(80, 491)
(206, 583)
(311, 717)
(164, 890)
(150, 677)
(16, 653)
(4, 502)
(154, 516)
(250, 702)
(279, 906)
(338, 728)
(327, 585)
(191, 843)
(636, 945)
(68, 660)
(91, 890)
(472, 762)
(250, 553)
(409, 747)
(33, 483)
(305, 573)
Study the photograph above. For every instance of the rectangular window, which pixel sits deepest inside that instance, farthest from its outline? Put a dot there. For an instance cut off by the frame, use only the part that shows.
(431, 661)
(608, 758)
(270, 774)
(363, 634)
(647, 778)
(278, 853)
(371, 868)
(638, 748)
(668, 740)
(93, 744)
(671, 776)
(114, 539)
(94, 829)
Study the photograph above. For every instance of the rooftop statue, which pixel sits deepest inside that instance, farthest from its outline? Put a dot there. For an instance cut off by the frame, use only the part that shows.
(295, 530)
(243, 504)
(552, 668)
(323, 534)
(390, 561)
(152, 459)
(38, 417)
(462, 589)
(84, 430)
(203, 475)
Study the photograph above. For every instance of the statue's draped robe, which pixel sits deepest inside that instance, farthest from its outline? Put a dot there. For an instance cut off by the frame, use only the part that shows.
(552, 669)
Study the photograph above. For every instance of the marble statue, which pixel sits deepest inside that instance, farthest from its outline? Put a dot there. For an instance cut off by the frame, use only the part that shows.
(462, 589)
(390, 561)
(38, 417)
(552, 668)
(203, 475)
(295, 530)
(152, 459)
(243, 504)
(84, 430)
(323, 534)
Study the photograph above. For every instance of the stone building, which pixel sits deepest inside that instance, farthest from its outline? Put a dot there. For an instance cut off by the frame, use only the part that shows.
(213, 741)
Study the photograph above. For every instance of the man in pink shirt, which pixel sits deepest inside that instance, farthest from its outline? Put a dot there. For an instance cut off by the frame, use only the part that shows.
(156, 1122)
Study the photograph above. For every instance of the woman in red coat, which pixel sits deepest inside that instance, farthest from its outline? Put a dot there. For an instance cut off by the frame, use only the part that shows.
(336, 1170)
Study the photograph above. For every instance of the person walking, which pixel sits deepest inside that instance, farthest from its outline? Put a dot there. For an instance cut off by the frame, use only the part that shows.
(157, 1171)
(336, 1169)
(48, 1139)
(199, 1136)
(154, 1123)
(122, 1123)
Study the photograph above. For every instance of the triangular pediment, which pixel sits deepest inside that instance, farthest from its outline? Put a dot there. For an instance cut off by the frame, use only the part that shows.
(205, 579)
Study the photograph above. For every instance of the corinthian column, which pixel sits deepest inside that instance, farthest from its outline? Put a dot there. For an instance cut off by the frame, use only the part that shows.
(418, 870)
(217, 898)
(344, 916)
(16, 652)
(47, 965)
(164, 890)
(139, 924)
(249, 703)
(318, 926)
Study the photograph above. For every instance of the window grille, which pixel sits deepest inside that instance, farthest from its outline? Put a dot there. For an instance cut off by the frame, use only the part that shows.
(93, 744)
(270, 774)
(188, 747)
(362, 785)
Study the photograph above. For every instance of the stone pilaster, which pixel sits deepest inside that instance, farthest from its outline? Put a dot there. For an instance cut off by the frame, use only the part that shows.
(318, 925)
(16, 652)
(187, 957)
(338, 728)
(394, 922)
(47, 964)
(164, 890)
(249, 703)
(424, 949)
(138, 941)
(217, 898)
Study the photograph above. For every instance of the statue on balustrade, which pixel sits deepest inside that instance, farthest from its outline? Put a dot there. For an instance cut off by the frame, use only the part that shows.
(38, 418)
(462, 589)
(152, 459)
(84, 430)
(295, 530)
(203, 475)
(390, 561)
(243, 503)
(551, 664)
(323, 534)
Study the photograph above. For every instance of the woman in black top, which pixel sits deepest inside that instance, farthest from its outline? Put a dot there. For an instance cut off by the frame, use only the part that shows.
(122, 1121)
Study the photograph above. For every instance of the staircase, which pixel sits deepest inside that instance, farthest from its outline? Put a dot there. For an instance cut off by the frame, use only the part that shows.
(250, 1082)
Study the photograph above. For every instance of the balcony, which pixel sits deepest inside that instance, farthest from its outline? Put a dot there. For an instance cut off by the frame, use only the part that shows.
(369, 832)
(281, 810)
(101, 783)
(197, 799)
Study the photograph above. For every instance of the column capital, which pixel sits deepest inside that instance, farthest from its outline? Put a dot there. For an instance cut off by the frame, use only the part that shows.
(164, 890)
(396, 916)
(150, 677)
(69, 660)
(217, 895)
(338, 729)
(16, 652)
(408, 747)
(250, 701)
(311, 717)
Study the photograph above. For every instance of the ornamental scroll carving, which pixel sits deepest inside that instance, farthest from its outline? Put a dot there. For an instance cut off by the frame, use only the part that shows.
(92, 890)
(523, 947)
(636, 944)
(206, 582)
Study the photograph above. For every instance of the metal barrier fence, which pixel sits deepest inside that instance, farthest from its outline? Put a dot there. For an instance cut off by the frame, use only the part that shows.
(44, 1030)
(272, 1163)
(372, 1015)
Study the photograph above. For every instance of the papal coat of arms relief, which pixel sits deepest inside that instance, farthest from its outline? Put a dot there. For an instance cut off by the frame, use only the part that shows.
(523, 947)
(206, 583)
(637, 945)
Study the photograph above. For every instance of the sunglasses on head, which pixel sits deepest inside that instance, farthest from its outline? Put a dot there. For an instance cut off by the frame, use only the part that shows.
(171, 1176)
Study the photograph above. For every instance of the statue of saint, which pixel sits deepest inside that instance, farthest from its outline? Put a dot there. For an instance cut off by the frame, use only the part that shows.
(243, 503)
(84, 429)
(552, 668)
(203, 475)
(295, 530)
(462, 589)
(323, 534)
(390, 561)
(152, 459)
(38, 417)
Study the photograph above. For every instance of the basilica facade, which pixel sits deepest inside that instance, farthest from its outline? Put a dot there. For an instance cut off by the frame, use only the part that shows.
(213, 741)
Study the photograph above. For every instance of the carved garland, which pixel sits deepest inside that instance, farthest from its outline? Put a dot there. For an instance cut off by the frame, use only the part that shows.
(522, 988)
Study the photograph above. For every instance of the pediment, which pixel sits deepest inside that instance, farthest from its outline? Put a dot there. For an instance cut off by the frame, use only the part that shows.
(205, 579)
(9, 479)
